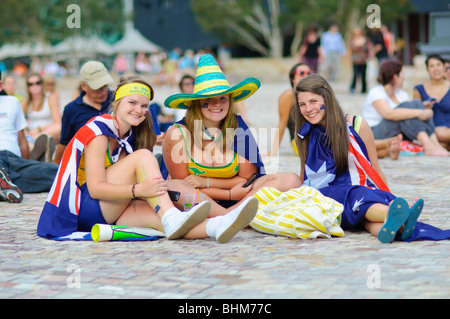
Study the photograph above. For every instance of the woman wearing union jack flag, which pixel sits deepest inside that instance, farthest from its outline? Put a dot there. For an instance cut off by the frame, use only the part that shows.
(108, 175)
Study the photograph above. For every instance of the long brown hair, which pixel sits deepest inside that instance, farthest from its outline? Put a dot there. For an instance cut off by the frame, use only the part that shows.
(194, 113)
(145, 136)
(336, 127)
(27, 101)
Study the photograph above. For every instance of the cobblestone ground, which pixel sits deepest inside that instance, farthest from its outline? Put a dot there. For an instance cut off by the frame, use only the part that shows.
(252, 265)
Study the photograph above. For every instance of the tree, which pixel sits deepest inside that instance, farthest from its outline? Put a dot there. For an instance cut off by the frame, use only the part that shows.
(263, 25)
(252, 23)
(46, 20)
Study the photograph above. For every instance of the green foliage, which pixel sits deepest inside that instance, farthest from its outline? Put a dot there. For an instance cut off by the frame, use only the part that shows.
(25, 20)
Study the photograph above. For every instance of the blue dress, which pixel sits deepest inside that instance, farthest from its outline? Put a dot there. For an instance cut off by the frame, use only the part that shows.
(355, 188)
(441, 109)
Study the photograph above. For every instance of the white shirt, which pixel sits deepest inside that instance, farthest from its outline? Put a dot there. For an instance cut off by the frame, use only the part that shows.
(12, 121)
(40, 118)
(370, 114)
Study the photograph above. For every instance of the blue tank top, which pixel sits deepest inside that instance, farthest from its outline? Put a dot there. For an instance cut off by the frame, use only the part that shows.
(441, 108)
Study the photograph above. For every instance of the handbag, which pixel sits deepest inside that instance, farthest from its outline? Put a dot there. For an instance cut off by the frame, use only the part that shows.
(298, 213)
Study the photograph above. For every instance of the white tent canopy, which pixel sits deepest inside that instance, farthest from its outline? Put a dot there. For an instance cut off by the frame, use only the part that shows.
(13, 50)
(81, 45)
(133, 41)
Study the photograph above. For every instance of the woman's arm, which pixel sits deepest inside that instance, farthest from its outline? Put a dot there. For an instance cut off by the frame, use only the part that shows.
(285, 102)
(54, 108)
(399, 114)
(23, 144)
(174, 153)
(428, 105)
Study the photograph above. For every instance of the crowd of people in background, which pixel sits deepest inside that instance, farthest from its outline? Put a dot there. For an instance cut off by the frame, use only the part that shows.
(49, 126)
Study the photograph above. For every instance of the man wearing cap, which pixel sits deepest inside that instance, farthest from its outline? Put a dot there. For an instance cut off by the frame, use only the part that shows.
(94, 100)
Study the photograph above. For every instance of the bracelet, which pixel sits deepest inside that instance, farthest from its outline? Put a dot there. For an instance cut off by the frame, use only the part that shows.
(132, 191)
(207, 182)
(229, 194)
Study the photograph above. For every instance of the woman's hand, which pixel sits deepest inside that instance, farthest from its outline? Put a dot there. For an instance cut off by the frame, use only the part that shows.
(429, 104)
(150, 188)
(196, 181)
(238, 191)
(425, 115)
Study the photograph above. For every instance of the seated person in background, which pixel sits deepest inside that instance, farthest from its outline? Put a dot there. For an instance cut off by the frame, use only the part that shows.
(9, 85)
(94, 99)
(447, 69)
(286, 102)
(435, 95)
(388, 111)
(19, 174)
(44, 118)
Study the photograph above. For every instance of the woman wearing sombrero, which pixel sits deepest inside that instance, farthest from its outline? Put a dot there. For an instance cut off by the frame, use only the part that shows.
(212, 148)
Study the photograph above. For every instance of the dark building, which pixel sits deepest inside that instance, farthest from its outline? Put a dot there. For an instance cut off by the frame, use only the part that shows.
(425, 29)
(170, 24)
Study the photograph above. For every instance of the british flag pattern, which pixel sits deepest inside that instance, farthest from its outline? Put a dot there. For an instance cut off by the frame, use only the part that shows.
(59, 217)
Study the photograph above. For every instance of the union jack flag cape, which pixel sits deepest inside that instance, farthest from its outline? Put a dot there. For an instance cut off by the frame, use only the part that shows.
(359, 187)
(59, 217)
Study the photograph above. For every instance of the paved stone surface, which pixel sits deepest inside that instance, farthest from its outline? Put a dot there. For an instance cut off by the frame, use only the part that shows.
(252, 265)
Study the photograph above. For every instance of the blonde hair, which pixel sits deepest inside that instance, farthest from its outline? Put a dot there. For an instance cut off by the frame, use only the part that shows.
(194, 113)
(27, 100)
(145, 137)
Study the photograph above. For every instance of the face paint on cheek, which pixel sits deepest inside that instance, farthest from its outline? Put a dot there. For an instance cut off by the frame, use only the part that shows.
(205, 105)
(322, 107)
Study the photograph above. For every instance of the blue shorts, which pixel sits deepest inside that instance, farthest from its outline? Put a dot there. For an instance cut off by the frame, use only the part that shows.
(90, 212)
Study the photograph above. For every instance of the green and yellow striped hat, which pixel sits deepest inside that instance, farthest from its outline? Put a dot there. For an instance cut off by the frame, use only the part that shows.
(209, 82)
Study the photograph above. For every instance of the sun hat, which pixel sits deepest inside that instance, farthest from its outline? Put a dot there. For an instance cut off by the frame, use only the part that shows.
(209, 82)
(95, 75)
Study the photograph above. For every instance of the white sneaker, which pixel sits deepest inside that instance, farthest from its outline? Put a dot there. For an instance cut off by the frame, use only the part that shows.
(225, 227)
(177, 223)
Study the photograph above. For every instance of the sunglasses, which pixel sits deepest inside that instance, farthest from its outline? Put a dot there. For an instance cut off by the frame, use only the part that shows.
(34, 83)
(302, 73)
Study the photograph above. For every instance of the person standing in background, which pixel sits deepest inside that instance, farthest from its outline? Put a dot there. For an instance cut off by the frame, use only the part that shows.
(359, 53)
(311, 52)
(333, 47)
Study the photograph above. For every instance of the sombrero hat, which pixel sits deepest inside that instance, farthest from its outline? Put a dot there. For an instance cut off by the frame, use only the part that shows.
(209, 82)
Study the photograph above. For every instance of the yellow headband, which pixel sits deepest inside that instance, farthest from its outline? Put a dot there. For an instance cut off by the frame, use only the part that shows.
(133, 88)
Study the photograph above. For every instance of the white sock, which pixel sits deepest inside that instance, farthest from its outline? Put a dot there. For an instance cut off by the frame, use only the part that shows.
(168, 213)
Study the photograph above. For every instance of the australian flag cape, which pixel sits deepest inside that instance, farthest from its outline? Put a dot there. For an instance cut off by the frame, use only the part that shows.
(59, 217)
(320, 172)
(245, 145)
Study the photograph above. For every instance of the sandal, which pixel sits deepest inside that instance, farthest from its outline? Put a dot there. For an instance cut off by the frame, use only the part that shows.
(397, 216)
(410, 224)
